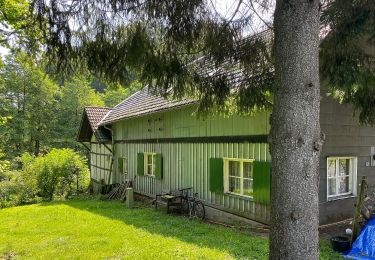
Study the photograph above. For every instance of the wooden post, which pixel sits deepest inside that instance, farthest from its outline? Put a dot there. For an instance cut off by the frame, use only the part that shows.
(129, 198)
(357, 213)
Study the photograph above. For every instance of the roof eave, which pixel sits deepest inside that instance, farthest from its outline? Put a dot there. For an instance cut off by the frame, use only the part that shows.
(147, 113)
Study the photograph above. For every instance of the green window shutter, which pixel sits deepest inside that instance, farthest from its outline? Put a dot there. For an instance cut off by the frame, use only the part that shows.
(140, 164)
(158, 166)
(217, 175)
(120, 165)
(262, 182)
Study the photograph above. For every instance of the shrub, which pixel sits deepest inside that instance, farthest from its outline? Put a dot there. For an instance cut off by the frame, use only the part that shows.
(4, 168)
(62, 172)
(14, 192)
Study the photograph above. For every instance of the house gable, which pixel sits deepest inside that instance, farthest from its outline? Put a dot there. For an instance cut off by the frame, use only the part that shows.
(90, 121)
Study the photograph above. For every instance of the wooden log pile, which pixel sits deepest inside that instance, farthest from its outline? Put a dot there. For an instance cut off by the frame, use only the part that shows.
(118, 191)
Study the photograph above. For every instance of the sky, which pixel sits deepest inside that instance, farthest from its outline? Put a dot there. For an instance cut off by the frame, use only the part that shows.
(226, 8)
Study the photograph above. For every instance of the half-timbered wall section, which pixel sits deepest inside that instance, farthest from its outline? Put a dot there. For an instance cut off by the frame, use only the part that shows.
(100, 161)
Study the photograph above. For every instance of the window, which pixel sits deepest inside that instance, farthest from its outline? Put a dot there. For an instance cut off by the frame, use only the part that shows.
(150, 163)
(123, 165)
(341, 176)
(238, 176)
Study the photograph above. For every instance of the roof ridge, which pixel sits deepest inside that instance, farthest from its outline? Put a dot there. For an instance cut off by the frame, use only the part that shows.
(100, 122)
(98, 107)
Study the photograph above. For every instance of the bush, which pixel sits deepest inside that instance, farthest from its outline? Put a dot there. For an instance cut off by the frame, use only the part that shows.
(4, 168)
(13, 193)
(61, 172)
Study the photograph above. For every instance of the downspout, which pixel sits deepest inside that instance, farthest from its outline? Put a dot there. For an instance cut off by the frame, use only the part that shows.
(111, 151)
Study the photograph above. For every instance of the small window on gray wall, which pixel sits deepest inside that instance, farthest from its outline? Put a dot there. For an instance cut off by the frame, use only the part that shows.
(341, 176)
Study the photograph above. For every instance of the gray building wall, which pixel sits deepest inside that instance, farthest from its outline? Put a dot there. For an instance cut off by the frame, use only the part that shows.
(344, 137)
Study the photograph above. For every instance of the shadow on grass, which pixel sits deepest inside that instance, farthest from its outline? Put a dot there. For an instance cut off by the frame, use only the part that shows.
(234, 242)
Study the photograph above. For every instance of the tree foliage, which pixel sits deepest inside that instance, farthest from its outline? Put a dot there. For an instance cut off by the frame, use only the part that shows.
(113, 96)
(17, 28)
(164, 41)
(161, 41)
(348, 53)
(62, 172)
(74, 95)
(28, 97)
(38, 113)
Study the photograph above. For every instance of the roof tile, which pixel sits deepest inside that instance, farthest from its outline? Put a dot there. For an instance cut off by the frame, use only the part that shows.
(141, 103)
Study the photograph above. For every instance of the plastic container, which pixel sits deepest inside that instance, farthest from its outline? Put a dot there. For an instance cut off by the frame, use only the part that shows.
(340, 243)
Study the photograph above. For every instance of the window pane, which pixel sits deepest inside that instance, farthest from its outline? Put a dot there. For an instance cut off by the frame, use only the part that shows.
(149, 169)
(344, 185)
(331, 168)
(234, 168)
(149, 158)
(344, 167)
(247, 170)
(248, 187)
(234, 185)
(331, 186)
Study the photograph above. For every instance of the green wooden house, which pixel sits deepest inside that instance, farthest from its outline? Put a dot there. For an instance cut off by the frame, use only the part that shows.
(162, 146)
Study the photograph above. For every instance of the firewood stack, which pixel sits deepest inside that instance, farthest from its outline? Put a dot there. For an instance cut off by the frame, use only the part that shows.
(118, 191)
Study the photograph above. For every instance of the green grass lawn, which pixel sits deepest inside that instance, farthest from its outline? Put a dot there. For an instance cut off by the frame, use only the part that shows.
(92, 229)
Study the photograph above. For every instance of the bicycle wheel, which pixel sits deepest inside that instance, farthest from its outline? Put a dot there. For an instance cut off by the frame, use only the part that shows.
(184, 206)
(199, 211)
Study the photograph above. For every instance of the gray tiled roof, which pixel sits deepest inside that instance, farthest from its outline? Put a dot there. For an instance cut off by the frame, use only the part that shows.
(141, 103)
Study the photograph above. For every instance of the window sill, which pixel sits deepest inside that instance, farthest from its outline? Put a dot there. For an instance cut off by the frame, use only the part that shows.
(342, 197)
(234, 195)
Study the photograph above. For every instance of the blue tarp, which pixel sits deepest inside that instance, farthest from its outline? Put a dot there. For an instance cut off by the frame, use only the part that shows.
(364, 245)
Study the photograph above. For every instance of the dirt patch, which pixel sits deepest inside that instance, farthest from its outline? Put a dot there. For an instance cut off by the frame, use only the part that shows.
(8, 256)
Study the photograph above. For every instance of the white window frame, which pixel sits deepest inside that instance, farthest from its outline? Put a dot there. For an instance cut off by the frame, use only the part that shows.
(226, 175)
(353, 166)
(145, 156)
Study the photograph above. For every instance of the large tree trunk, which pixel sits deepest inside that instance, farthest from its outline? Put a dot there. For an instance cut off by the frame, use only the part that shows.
(295, 132)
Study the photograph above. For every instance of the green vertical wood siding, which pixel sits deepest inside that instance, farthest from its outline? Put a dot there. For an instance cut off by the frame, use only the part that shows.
(188, 164)
(262, 182)
(182, 123)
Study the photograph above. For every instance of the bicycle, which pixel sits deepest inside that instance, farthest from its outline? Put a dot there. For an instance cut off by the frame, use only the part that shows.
(193, 207)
